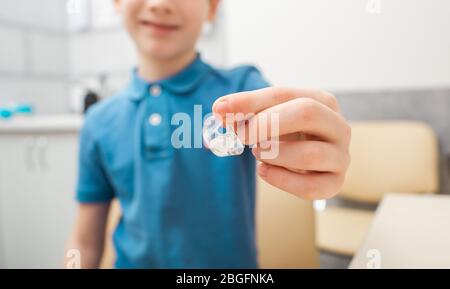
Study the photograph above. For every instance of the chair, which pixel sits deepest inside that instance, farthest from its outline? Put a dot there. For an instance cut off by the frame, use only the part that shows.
(285, 229)
(389, 156)
(284, 225)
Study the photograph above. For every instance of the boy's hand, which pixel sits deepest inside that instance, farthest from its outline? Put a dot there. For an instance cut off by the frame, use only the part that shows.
(314, 138)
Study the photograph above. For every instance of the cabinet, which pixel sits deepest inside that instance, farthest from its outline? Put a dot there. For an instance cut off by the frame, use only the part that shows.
(38, 167)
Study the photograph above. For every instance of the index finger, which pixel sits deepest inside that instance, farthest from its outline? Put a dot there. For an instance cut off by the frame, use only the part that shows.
(261, 99)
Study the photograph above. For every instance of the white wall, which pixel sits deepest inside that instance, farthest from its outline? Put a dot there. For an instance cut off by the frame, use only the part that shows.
(33, 53)
(339, 45)
(46, 14)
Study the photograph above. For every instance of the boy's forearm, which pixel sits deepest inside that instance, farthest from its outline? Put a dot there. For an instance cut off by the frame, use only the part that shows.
(82, 255)
(85, 246)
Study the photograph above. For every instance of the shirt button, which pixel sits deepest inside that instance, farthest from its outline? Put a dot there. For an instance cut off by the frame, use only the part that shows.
(155, 119)
(155, 90)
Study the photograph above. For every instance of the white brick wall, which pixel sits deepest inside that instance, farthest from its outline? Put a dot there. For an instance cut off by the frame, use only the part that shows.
(46, 95)
(48, 54)
(100, 51)
(12, 50)
(44, 14)
(33, 54)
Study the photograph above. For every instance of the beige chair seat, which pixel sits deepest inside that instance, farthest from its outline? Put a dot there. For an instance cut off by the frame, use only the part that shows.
(342, 230)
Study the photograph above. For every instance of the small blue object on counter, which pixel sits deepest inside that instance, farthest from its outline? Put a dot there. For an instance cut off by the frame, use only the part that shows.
(23, 109)
(5, 113)
(19, 109)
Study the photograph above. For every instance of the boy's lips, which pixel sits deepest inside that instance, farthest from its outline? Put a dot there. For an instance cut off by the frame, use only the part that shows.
(159, 28)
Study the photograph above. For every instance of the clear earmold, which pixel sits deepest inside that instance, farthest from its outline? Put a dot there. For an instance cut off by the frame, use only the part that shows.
(221, 141)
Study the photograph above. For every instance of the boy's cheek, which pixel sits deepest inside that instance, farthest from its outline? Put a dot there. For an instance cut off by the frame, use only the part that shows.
(129, 11)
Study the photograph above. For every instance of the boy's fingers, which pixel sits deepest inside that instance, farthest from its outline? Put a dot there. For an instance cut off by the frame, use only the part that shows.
(298, 115)
(259, 100)
(310, 186)
(304, 155)
(298, 136)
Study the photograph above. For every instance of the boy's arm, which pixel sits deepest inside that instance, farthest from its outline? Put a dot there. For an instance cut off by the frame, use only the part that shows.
(89, 234)
(94, 194)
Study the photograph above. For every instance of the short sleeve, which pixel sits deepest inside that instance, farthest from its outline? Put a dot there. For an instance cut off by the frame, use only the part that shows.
(254, 80)
(93, 185)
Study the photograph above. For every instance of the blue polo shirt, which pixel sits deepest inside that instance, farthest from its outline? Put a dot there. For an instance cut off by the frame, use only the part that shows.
(182, 207)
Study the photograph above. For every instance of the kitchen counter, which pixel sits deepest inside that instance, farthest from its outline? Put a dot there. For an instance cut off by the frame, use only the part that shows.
(42, 123)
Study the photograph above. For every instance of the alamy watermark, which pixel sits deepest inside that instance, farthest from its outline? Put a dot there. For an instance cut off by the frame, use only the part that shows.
(73, 259)
(257, 130)
(373, 6)
(374, 257)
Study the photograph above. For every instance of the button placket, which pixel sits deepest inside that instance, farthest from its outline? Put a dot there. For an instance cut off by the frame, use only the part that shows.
(157, 125)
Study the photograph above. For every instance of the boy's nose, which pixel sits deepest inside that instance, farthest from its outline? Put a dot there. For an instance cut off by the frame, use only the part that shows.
(160, 6)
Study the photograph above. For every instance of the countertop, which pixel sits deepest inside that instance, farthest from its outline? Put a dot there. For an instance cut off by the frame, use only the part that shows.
(42, 123)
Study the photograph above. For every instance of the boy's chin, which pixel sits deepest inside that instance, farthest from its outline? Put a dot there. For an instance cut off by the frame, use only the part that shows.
(162, 52)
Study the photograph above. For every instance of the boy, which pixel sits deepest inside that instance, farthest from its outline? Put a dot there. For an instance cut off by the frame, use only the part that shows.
(186, 208)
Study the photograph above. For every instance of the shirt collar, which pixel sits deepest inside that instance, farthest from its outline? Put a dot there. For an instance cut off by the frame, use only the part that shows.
(181, 83)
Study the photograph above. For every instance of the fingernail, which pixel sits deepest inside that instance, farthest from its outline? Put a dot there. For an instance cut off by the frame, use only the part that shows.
(221, 106)
(263, 168)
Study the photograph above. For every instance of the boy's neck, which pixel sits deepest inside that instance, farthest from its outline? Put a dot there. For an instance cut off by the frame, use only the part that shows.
(151, 69)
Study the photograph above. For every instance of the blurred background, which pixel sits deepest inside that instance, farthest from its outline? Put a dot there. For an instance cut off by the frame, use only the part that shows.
(386, 60)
